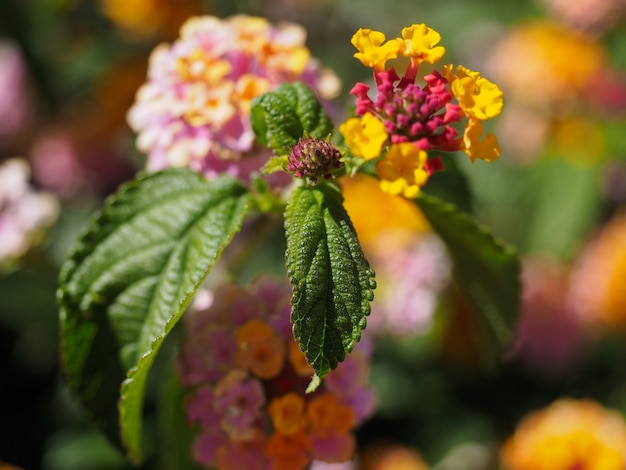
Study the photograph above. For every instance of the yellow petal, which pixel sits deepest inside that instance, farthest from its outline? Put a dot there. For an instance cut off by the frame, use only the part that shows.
(364, 137)
(372, 52)
(420, 43)
(486, 149)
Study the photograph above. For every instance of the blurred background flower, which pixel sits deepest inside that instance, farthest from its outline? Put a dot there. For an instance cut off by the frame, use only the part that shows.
(568, 434)
(195, 109)
(25, 213)
(245, 379)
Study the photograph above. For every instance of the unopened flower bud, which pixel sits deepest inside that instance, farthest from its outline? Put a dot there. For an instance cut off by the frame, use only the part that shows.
(312, 158)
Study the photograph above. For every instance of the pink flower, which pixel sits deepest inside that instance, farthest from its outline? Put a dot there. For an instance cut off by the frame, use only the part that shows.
(239, 399)
(194, 109)
(321, 465)
(206, 445)
(24, 212)
(334, 447)
(200, 408)
(15, 103)
(410, 277)
(549, 336)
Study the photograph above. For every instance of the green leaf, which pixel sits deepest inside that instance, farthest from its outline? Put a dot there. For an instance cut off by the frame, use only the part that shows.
(175, 433)
(332, 281)
(127, 282)
(281, 117)
(485, 269)
(562, 200)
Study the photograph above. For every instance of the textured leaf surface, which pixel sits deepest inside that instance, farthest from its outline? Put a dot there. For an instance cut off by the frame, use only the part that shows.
(332, 281)
(281, 117)
(127, 282)
(485, 269)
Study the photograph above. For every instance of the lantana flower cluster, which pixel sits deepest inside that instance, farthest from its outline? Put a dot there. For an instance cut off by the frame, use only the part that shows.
(247, 377)
(195, 108)
(407, 119)
(25, 212)
(568, 434)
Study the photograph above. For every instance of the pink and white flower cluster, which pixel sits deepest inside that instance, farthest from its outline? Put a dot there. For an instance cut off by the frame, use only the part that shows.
(194, 110)
(246, 379)
(24, 211)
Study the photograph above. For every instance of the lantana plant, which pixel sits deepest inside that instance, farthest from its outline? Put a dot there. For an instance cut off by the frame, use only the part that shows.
(136, 268)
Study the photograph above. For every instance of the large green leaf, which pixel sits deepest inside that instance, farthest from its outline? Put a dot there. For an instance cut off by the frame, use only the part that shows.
(127, 282)
(332, 281)
(281, 117)
(486, 270)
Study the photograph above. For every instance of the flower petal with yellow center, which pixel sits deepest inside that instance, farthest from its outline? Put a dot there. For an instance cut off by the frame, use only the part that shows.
(364, 137)
(402, 171)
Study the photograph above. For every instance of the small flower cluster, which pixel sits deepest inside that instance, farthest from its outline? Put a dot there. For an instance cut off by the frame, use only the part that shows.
(568, 434)
(247, 379)
(311, 158)
(194, 111)
(411, 119)
(24, 212)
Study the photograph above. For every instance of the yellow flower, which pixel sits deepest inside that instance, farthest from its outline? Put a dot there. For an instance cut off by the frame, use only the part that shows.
(569, 434)
(364, 137)
(486, 149)
(402, 170)
(559, 63)
(247, 88)
(420, 42)
(372, 52)
(373, 212)
(477, 96)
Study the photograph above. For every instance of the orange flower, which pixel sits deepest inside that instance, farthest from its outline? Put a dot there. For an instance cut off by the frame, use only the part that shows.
(289, 452)
(569, 434)
(261, 350)
(287, 413)
(328, 416)
(598, 293)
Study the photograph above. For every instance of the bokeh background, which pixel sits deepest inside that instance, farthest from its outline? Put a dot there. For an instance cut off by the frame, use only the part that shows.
(69, 71)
